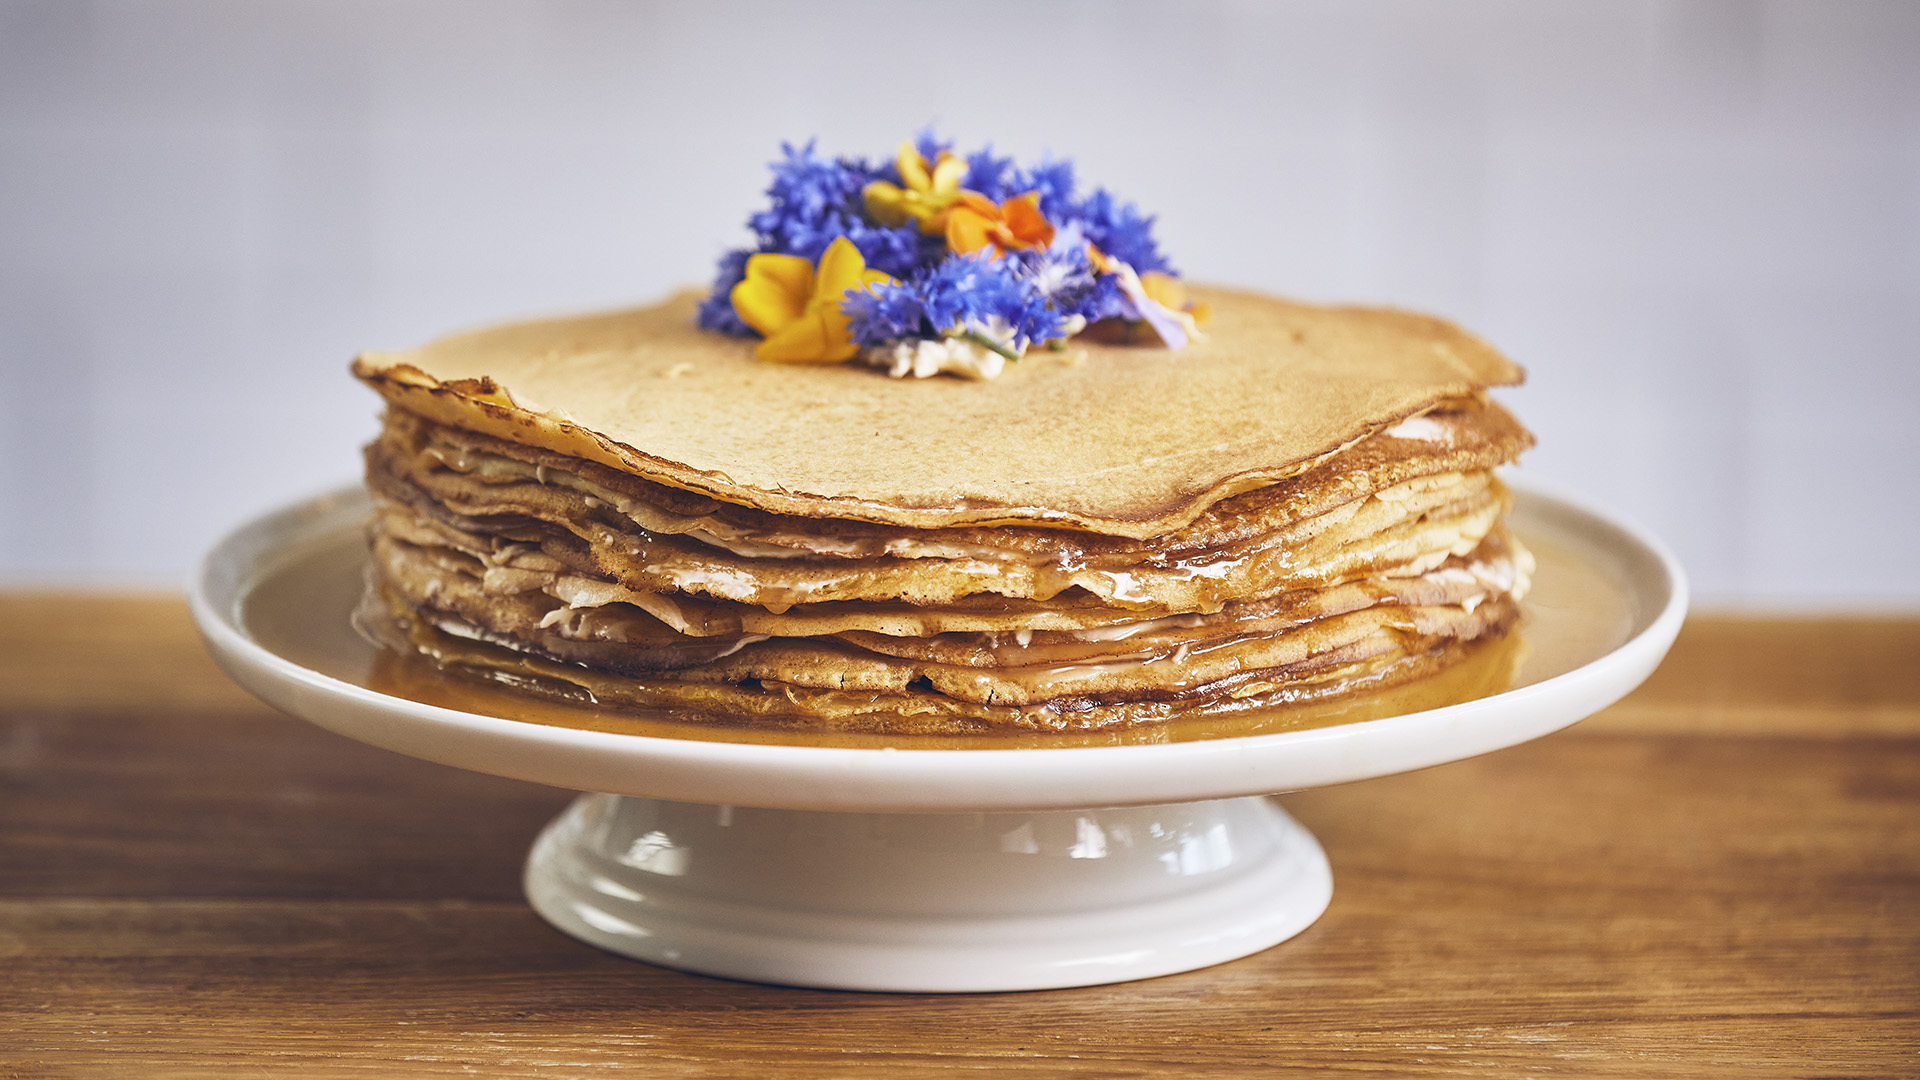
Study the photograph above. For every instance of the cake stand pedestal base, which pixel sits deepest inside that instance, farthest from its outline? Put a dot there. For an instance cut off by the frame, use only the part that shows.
(928, 902)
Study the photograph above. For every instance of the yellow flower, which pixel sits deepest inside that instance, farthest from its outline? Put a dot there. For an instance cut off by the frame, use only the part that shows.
(796, 306)
(1171, 293)
(1014, 225)
(1165, 289)
(926, 197)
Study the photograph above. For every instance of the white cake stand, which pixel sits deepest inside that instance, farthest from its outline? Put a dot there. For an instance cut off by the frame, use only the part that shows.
(929, 869)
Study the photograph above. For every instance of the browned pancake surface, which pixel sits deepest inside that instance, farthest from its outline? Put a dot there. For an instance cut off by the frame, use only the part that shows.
(1126, 441)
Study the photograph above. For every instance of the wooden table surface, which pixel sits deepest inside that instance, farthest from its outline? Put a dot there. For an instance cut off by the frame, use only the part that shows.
(1718, 877)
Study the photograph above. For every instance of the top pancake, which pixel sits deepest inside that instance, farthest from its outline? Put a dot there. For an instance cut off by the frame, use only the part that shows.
(1129, 441)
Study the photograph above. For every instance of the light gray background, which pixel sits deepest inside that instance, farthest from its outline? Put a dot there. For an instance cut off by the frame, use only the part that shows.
(1697, 224)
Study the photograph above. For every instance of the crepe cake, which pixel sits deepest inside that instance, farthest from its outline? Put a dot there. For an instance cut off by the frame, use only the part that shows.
(625, 509)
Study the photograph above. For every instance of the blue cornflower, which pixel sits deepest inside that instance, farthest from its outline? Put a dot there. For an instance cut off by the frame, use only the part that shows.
(930, 145)
(980, 294)
(991, 300)
(716, 311)
(1062, 273)
(886, 312)
(816, 201)
(1119, 230)
(1054, 181)
(813, 201)
(991, 176)
(810, 195)
(1107, 301)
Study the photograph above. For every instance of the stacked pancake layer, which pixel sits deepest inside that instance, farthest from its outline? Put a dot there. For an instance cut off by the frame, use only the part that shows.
(1375, 565)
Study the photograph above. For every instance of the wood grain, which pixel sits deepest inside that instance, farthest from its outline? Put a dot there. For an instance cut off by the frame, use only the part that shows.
(1719, 877)
(1833, 677)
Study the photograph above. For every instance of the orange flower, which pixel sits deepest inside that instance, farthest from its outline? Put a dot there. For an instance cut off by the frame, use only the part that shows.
(1014, 225)
(796, 306)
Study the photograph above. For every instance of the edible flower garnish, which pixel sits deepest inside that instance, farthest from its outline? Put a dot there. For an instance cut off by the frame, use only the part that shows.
(926, 196)
(795, 306)
(937, 262)
(1015, 225)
